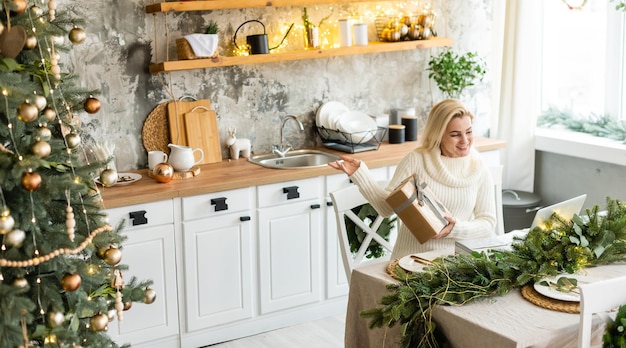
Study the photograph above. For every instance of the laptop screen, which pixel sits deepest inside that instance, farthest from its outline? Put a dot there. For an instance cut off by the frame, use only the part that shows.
(565, 209)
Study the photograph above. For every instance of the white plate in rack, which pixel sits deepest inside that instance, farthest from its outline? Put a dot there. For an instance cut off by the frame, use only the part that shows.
(358, 124)
(328, 113)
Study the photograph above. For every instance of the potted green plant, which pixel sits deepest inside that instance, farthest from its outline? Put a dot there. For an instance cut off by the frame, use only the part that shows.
(453, 72)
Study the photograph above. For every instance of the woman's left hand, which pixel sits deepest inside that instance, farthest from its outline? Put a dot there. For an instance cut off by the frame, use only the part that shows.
(446, 230)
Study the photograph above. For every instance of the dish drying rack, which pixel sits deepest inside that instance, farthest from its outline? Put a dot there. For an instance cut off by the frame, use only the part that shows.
(352, 142)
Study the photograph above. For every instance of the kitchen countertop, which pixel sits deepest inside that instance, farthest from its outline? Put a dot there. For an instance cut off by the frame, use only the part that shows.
(234, 174)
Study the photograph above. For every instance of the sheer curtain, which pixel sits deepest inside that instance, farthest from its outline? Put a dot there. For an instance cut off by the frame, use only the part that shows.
(516, 89)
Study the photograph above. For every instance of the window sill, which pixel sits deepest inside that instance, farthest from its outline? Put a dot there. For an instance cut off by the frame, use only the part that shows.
(580, 145)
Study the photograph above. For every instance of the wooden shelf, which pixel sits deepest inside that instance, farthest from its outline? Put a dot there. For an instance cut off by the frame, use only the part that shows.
(186, 6)
(373, 47)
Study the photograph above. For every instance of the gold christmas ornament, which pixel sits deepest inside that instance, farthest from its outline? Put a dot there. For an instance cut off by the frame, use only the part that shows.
(27, 112)
(108, 177)
(150, 296)
(128, 305)
(43, 133)
(99, 322)
(111, 314)
(50, 114)
(17, 6)
(92, 105)
(77, 35)
(31, 42)
(20, 282)
(15, 238)
(113, 256)
(73, 140)
(71, 281)
(163, 172)
(31, 181)
(37, 11)
(40, 102)
(42, 149)
(55, 319)
(6, 224)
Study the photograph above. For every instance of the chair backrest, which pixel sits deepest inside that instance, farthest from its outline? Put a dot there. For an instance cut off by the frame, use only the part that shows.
(598, 298)
(496, 174)
(344, 200)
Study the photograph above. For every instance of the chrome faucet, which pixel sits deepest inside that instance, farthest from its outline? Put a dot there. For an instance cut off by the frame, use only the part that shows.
(282, 149)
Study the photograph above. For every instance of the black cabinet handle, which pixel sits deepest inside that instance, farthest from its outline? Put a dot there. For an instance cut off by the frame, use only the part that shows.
(292, 192)
(138, 217)
(329, 203)
(219, 203)
(315, 206)
(244, 218)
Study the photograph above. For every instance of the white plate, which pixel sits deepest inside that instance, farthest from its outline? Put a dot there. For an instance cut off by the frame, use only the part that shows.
(552, 292)
(359, 124)
(409, 263)
(124, 179)
(328, 113)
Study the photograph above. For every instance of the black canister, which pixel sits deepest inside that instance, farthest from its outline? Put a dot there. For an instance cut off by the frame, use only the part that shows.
(410, 131)
(396, 133)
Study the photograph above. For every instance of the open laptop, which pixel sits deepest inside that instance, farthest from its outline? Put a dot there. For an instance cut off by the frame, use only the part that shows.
(565, 209)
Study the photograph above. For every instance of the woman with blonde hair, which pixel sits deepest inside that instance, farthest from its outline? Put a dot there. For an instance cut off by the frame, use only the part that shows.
(446, 160)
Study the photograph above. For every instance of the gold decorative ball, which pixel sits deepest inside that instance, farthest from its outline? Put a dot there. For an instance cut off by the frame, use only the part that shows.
(150, 296)
(99, 322)
(20, 282)
(43, 133)
(163, 172)
(27, 112)
(50, 114)
(108, 177)
(92, 105)
(37, 11)
(128, 305)
(71, 281)
(31, 181)
(77, 35)
(15, 238)
(31, 42)
(17, 6)
(42, 149)
(6, 224)
(55, 319)
(73, 140)
(112, 256)
(40, 102)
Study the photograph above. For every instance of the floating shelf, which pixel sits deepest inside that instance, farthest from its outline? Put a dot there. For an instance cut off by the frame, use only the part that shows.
(186, 6)
(373, 47)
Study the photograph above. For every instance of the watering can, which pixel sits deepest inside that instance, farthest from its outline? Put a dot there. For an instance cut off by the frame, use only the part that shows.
(257, 44)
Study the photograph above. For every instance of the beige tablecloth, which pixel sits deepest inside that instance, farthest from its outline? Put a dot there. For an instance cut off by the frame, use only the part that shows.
(501, 321)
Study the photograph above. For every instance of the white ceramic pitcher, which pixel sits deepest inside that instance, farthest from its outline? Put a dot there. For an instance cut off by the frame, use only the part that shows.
(182, 158)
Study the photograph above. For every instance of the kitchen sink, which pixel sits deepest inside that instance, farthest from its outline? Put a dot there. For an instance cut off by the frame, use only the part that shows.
(295, 159)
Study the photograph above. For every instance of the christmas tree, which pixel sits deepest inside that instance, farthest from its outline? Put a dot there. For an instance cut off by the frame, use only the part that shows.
(61, 279)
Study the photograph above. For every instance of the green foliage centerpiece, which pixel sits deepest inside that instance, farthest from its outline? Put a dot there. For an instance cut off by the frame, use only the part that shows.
(561, 246)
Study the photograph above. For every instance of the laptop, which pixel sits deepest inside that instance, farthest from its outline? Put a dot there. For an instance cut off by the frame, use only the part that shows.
(565, 209)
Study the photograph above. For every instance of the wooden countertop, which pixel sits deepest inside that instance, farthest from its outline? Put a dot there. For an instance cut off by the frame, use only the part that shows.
(234, 174)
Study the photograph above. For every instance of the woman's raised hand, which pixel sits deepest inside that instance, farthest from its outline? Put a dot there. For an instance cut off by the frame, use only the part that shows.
(347, 164)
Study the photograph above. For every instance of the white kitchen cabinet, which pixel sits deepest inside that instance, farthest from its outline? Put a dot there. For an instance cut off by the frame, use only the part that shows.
(218, 258)
(150, 253)
(290, 254)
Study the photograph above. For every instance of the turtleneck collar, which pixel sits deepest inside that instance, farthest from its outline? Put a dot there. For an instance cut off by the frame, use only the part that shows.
(454, 171)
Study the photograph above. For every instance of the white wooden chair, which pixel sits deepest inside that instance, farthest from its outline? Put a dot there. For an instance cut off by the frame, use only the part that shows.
(496, 174)
(598, 298)
(343, 201)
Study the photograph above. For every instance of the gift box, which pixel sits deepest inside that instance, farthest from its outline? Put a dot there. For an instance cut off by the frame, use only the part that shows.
(418, 208)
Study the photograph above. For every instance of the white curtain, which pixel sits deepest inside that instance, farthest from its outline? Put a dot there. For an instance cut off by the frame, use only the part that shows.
(516, 99)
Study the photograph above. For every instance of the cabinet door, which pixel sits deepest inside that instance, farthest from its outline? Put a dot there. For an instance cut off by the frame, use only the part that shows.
(150, 254)
(289, 255)
(218, 270)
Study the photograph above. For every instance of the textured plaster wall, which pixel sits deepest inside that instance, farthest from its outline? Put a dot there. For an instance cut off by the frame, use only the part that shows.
(122, 42)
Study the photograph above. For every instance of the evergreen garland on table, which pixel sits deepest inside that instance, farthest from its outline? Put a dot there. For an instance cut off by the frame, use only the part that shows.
(560, 246)
(603, 126)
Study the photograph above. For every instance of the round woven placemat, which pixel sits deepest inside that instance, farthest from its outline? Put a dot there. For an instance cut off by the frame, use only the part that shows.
(529, 293)
(155, 133)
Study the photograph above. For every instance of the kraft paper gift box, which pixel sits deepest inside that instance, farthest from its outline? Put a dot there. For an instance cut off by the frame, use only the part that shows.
(418, 208)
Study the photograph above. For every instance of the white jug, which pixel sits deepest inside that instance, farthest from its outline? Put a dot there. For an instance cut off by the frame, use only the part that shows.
(182, 158)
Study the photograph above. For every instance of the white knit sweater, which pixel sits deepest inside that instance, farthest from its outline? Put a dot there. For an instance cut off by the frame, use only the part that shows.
(463, 184)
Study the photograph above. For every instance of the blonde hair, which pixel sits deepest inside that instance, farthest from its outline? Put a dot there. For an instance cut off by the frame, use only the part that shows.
(440, 115)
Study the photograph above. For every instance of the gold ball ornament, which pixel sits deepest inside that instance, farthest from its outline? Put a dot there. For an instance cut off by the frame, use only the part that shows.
(42, 149)
(73, 140)
(20, 283)
(150, 296)
(55, 319)
(108, 177)
(71, 281)
(27, 112)
(15, 238)
(163, 172)
(50, 114)
(17, 6)
(43, 133)
(6, 224)
(31, 42)
(77, 35)
(40, 102)
(112, 256)
(99, 322)
(128, 305)
(31, 181)
(37, 11)
(92, 105)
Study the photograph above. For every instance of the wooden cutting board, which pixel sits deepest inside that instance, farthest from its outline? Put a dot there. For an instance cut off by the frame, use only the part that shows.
(202, 132)
(176, 120)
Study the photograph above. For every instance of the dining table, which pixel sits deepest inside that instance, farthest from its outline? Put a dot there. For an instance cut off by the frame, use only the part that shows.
(504, 321)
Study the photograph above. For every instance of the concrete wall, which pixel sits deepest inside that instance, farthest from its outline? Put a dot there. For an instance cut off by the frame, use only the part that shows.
(122, 41)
